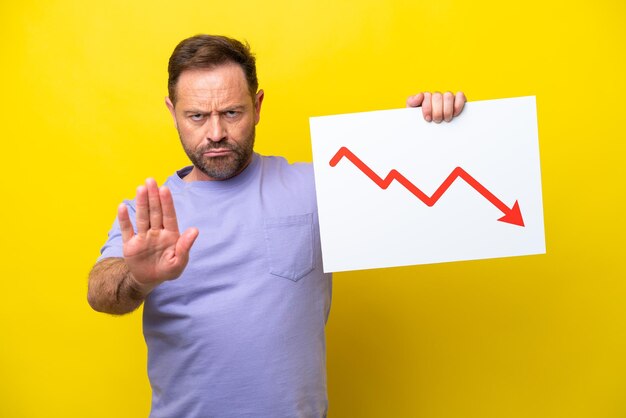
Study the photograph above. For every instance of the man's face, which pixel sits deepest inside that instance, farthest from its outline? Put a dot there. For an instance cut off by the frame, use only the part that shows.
(215, 117)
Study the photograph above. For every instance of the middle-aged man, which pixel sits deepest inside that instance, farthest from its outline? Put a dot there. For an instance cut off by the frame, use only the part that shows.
(233, 316)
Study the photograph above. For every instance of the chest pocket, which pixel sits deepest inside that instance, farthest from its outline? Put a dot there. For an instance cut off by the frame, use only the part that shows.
(289, 242)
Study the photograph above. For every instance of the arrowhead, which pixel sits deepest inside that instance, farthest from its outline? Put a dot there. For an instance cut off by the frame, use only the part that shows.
(513, 216)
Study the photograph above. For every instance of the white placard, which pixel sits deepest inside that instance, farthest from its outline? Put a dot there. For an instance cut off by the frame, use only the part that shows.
(395, 190)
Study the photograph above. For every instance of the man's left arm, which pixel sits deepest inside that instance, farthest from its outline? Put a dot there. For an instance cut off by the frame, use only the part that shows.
(438, 107)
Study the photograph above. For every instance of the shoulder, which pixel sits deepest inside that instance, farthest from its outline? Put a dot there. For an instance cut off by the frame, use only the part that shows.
(285, 181)
(279, 166)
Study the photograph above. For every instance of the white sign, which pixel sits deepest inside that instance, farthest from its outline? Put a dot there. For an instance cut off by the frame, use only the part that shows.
(395, 190)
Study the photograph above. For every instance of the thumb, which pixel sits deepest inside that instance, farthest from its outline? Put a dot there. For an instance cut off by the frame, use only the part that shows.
(185, 241)
(415, 101)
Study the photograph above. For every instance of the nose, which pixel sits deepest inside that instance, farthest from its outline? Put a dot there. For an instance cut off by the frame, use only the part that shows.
(216, 131)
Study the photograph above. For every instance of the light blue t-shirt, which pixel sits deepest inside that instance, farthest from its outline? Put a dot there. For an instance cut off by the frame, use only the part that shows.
(241, 332)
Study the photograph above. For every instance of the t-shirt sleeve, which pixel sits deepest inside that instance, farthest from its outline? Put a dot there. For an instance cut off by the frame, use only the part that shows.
(113, 246)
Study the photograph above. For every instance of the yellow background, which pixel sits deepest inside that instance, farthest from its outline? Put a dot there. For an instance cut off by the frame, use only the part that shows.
(83, 123)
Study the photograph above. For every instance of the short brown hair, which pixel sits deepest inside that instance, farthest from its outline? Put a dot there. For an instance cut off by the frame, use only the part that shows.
(208, 51)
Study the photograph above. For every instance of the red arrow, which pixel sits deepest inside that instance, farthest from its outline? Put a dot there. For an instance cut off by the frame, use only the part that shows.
(511, 215)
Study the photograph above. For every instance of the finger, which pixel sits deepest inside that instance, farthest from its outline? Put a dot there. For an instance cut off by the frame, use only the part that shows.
(154, 204)
(427, 111)
(415, 100)
(185, 241)
(459, 103)
(437, 107)
(169, 213)
(124, 220)
(448, 106)
(143, 220)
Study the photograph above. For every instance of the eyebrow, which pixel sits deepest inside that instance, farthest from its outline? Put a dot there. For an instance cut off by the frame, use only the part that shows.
(194, 111)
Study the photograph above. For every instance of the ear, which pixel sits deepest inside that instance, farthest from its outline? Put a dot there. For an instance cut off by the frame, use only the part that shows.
(170, 107)
(258, 100)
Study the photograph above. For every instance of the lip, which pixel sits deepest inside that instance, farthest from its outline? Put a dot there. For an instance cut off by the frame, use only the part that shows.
(217, 152)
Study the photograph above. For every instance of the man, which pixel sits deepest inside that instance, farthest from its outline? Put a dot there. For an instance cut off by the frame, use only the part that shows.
(234, 317)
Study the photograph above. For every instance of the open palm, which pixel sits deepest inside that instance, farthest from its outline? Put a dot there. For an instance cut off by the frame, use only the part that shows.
(157, 251)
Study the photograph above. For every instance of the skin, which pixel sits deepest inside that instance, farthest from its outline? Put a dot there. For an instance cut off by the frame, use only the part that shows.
(155, 253)
(437, 107)
(215, 117)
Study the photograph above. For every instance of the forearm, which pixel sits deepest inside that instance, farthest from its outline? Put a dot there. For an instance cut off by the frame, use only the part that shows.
(112, 288)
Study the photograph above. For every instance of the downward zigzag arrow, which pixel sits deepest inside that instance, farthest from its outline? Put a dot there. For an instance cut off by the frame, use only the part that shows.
(511, 215)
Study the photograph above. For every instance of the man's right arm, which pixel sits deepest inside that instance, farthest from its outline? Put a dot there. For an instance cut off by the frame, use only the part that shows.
(154, 253)
(112, 288)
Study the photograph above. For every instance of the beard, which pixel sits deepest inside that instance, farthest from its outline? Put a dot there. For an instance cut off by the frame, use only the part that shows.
(222, 167)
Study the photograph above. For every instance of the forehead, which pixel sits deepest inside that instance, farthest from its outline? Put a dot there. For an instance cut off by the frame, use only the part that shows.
(224, 83)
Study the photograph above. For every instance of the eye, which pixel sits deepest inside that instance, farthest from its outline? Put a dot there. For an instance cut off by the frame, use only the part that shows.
(196, 117)
(231, 114)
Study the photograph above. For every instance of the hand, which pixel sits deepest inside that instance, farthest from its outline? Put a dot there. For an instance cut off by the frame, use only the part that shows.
(436, 106)
(157, 252)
